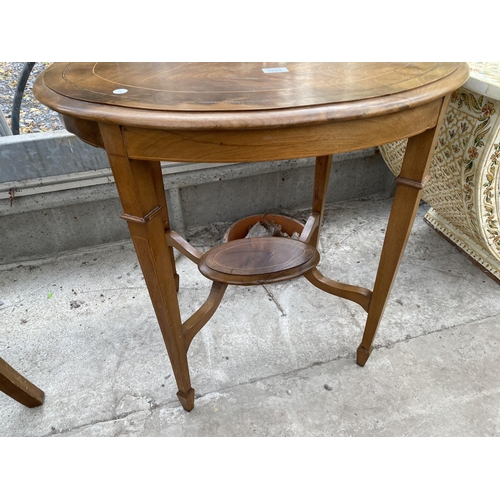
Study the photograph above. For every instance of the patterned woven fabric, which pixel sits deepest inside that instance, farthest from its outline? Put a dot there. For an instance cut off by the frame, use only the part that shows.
(464, 187)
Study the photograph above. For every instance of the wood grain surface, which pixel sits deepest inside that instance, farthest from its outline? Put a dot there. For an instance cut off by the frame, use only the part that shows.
(235, 86)
(143, 113)
(235, 95)
(258, 260)
(18, 387)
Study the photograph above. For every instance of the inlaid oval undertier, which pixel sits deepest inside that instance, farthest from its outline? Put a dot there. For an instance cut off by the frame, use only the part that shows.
(252, 261)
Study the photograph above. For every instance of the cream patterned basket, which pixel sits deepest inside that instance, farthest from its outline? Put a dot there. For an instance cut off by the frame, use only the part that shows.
(464, 186)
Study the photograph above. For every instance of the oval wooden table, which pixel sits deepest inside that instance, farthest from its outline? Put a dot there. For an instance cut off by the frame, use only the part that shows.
(143, 113)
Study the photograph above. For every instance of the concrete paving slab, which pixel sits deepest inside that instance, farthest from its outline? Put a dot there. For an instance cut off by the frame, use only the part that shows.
(442, 385)
(273, 361)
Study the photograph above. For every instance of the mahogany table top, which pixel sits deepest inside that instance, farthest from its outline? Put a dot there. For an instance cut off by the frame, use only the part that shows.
(234, 95)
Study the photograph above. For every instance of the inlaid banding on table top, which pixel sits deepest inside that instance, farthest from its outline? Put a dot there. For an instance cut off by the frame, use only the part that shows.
(237, 86)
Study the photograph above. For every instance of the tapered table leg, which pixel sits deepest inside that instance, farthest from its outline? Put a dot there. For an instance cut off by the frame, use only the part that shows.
(141, 191)
(19, 388)
(162, 200)
(409, 188)
(321, 180)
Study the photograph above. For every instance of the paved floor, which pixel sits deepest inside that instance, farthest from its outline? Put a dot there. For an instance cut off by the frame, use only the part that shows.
(273, 361)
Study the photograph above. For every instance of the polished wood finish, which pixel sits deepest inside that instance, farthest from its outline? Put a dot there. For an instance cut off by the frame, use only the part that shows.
(262, 144)
(308, 93)
(139, 195)
(321, 180)
(240, 86)
(409, 189)
(227, 112)
(360, 295)
(19, 388)
(176, 241)
(253, 261)
(200, 318)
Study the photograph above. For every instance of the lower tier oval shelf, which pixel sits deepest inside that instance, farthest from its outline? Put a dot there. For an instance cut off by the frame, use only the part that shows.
(253, 261)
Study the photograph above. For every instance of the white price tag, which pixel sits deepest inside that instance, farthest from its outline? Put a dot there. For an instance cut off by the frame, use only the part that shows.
(274, 70)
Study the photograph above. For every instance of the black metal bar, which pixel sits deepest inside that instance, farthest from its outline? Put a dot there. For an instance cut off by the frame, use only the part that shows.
(18, 96)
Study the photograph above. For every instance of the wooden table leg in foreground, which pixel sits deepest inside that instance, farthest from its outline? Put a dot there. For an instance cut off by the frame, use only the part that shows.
(140, 187)
(19, 388)
(410, 184)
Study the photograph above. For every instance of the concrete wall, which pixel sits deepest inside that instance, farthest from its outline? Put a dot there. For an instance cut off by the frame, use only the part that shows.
(48, 154)
(57, 194)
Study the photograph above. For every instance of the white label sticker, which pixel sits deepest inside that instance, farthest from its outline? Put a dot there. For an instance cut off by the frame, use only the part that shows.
(274, 70)
(120, 91)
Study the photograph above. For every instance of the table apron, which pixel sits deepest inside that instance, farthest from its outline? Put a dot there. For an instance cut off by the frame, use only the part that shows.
(277, 143)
